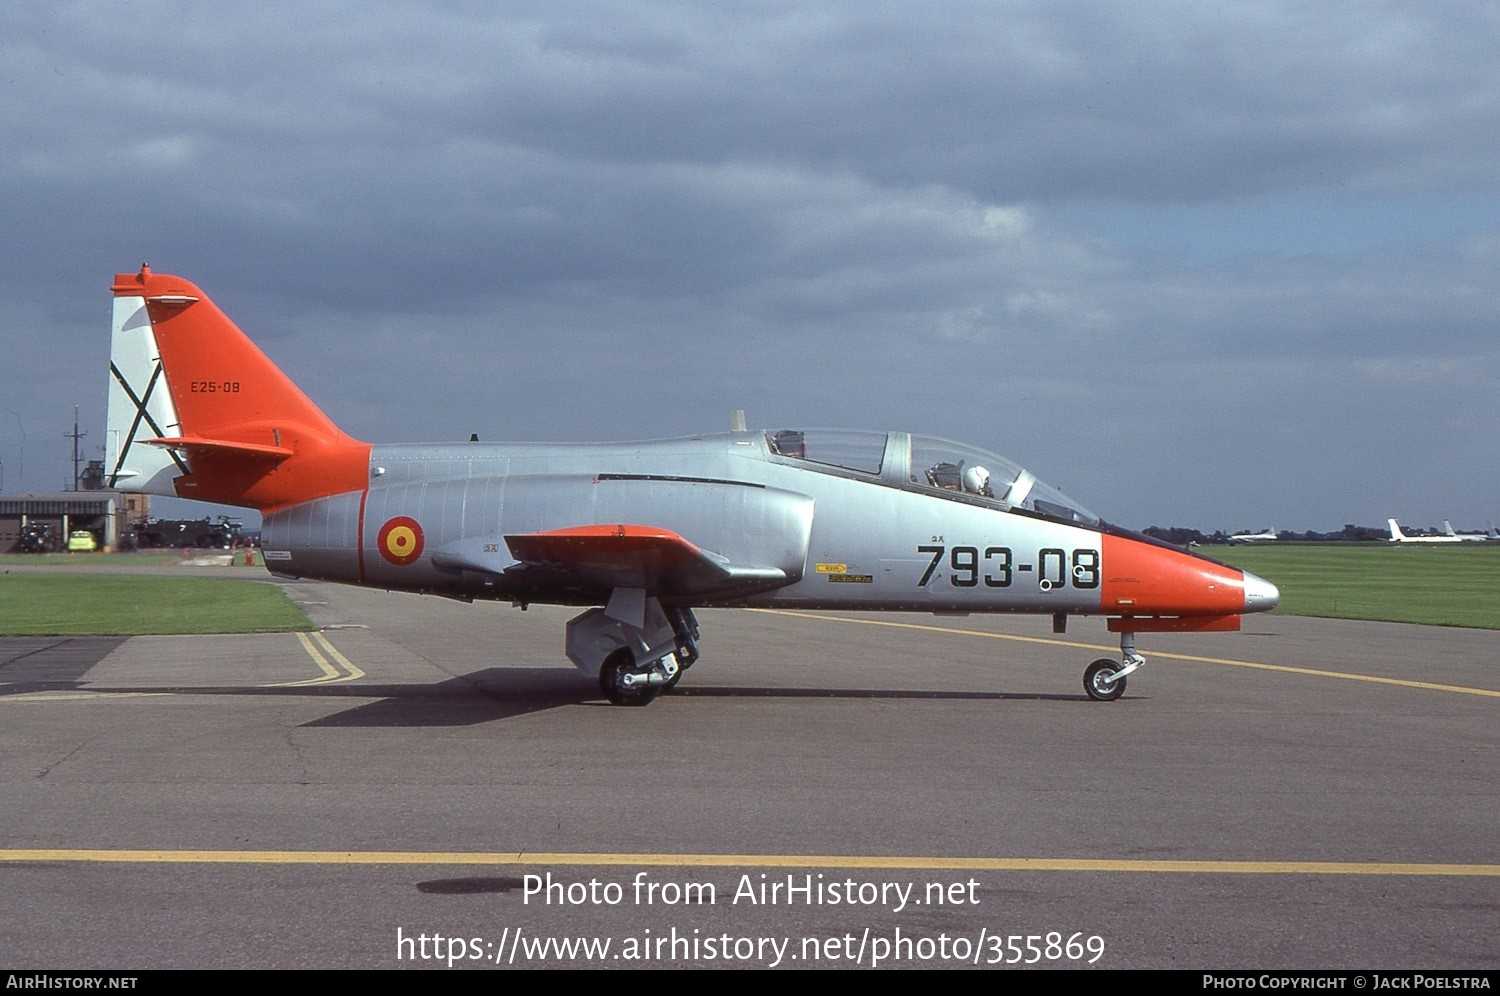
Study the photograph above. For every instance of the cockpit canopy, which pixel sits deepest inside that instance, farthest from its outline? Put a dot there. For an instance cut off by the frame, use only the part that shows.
(924, 463)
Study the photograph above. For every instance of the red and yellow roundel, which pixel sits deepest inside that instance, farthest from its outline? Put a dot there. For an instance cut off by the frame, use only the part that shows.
(400, 540)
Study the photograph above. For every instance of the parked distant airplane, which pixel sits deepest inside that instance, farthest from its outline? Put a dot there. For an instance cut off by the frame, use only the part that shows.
(1269, 534)
(1397, 536)
(1466, 537)
(640, 533)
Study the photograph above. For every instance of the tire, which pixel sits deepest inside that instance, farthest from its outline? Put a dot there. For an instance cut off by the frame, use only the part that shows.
(615, 665)
(1096, 680)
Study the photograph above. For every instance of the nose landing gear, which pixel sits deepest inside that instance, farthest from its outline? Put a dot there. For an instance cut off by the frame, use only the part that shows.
(1104, 680)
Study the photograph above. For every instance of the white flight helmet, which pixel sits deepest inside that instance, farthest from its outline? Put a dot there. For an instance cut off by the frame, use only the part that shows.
(977, 481)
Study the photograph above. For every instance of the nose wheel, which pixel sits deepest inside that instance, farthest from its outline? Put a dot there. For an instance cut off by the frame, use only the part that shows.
(1104, 680)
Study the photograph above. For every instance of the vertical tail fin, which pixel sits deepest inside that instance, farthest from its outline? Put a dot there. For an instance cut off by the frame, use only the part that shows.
(1396, 533)
(197, 411)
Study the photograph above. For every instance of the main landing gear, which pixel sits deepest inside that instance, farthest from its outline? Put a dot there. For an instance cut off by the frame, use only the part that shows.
(623, 683)
(1104, 679)
(637, 647)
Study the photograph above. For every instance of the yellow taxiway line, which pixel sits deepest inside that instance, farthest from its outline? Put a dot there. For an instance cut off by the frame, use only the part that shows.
(1313, 672)
(335, 668)
(838, 861)
(331, 675)
(32, 697)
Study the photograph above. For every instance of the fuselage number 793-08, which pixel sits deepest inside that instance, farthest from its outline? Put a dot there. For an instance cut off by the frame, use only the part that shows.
(995, 566)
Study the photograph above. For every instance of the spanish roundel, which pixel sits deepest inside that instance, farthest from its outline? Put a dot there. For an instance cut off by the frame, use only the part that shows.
(400, 540)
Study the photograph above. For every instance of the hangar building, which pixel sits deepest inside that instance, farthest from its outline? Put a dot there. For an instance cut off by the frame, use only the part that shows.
(52, 517)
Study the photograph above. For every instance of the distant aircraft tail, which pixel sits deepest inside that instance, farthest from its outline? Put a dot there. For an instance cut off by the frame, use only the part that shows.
(197, 411)
(1396, 533)
(1448, 528)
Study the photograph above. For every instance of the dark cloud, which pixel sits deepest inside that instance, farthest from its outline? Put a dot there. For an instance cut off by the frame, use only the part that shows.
(1197, 265)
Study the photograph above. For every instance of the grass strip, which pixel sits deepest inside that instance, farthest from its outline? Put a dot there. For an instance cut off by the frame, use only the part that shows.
(1454, 584)
(115, 605)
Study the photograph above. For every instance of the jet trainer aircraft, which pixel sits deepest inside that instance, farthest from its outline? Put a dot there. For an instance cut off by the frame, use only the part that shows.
(640, 534)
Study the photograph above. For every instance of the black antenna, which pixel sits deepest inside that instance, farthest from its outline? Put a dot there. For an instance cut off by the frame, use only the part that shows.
(75, 435)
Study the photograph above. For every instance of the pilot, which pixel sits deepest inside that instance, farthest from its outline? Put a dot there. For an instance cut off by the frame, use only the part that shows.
(977, 482)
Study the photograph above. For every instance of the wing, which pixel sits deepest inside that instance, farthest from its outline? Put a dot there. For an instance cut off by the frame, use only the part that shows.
(656, 560)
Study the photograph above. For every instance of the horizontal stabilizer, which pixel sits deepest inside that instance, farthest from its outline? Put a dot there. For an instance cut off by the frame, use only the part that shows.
(197, 444)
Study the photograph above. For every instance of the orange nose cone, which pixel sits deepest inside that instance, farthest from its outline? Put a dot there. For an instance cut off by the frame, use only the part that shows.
(1145, 579)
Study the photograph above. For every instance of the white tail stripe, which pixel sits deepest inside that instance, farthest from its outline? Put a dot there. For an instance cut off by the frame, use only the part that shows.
(140, 405)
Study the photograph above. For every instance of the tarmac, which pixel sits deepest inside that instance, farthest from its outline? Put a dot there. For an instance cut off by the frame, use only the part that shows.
(424, 782)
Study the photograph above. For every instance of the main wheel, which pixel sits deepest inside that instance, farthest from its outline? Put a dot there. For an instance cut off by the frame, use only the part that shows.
(616, 665)
(1100, 682)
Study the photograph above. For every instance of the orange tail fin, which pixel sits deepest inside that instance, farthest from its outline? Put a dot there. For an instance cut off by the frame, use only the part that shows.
(197, 411)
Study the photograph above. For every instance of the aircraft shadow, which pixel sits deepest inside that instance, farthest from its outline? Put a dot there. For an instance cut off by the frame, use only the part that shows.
(731, 692)
(480, 697)
(496, 693)
(51, 663)
(501, 693)
(486, 696)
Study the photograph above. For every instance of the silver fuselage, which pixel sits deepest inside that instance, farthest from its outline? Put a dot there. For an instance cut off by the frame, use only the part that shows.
(818, 536)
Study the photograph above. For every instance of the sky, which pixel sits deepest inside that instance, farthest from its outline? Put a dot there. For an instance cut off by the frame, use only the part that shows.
(1224, 266)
